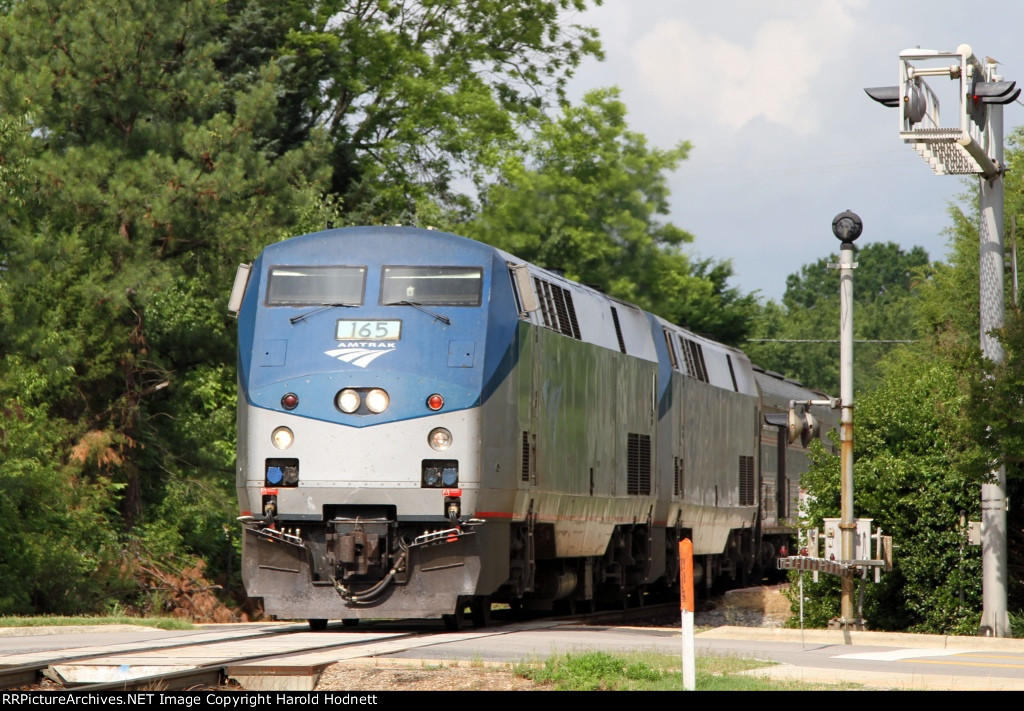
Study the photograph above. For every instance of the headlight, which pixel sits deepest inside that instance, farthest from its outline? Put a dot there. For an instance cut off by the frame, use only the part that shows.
(377, 400)
(282, 438)
(440, 439)
(347, 400)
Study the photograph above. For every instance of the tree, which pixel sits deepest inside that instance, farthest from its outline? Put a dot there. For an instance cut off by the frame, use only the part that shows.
(917, 469)
(584, 197)
(143, 179)
(413, 95)
(800, 336)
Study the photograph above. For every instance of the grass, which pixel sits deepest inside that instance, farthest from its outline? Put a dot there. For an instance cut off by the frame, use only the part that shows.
(600, 671)
(163, 623)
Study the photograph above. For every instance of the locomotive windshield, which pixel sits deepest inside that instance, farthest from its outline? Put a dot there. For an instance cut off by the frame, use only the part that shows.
(452, 286)
(315, 286)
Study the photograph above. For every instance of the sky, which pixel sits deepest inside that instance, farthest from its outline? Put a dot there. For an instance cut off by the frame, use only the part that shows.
(771, 97)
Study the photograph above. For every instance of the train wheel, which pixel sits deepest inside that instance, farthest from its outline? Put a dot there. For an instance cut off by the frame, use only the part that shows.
(317, 625)
(457, 620)
(350, 622)
(639, 596)
(454, 622)
(481, 611)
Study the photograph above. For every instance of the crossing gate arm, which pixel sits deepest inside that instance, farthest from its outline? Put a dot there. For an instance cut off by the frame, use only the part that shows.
(823, 565)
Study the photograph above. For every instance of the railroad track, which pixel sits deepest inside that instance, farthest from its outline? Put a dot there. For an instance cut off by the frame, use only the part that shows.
(251, 658)
(33, 672)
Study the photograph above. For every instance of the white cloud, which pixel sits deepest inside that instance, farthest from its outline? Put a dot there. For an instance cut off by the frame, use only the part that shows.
(771, 96)
(728, 80)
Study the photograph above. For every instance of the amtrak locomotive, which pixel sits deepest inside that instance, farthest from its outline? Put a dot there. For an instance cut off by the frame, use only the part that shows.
(429, 425)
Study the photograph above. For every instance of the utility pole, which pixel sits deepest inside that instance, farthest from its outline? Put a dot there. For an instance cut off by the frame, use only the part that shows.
(975, 146)
(995, 621)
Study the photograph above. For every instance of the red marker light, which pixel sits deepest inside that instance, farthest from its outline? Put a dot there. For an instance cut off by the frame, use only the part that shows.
(289, 401)
(435, 402)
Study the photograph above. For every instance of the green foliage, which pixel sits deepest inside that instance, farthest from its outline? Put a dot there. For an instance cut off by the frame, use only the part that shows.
(584, 198)
(412, 95)
(594, 671)
(950, 310)
(885, 285)
(143, 176)
(12, 167)
(160, 623)
(994, 407)
(820, 599)
(182, 327)
(600, 671)
(915, 484)
(948, 304)
(60, 551)
(996, 394)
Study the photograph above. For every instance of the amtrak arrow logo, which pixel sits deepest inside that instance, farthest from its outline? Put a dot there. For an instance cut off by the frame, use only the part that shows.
(357, 356)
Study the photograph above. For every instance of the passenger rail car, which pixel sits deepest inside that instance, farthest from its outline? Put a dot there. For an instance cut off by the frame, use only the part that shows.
(428, 424)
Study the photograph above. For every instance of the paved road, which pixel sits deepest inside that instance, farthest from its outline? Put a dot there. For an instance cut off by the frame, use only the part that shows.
(877, 659)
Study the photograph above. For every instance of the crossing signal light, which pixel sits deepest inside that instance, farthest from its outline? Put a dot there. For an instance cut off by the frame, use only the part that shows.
(803, 426)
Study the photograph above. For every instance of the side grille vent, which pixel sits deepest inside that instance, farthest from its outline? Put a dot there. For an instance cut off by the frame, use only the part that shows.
(671, 345)
(695, 360)
(525, 467)
(557, 308)
(618, 330)
(638, 464)
(732, 373)
(746, 480)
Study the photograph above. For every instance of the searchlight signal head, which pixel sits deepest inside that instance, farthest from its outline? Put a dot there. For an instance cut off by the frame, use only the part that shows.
(964, 145)
(847, 226)
(915, 104)
(983, 93)
(885, 95)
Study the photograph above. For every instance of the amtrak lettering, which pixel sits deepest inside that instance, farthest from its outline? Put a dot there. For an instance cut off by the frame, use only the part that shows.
(361, 354)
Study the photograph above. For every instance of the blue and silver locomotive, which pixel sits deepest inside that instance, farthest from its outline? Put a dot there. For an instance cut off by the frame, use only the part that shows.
(428, 424)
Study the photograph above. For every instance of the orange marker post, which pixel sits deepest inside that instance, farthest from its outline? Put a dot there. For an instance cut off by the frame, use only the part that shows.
(686, 600)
